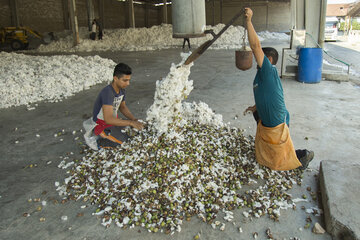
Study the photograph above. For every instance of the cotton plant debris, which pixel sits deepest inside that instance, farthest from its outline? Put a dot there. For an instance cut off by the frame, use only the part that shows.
(187, 165)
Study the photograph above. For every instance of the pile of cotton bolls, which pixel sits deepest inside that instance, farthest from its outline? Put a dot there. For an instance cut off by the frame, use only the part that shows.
(153, 38)
(185, 163)
(28, 79)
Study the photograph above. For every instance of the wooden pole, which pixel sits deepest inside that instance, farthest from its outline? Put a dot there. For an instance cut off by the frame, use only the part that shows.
(74, 22)
(14, 13)
(131, 14)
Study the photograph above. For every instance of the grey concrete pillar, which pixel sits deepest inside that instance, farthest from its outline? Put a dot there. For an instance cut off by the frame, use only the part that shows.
(322, 22)
(300, 14)
(90, 12)
(165, 12)
(293, 14)
(74, 21)
(14, 13)
(312, 22)
(131, 14)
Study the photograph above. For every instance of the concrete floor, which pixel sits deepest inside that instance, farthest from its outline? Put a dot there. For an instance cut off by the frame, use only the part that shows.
(324, 118)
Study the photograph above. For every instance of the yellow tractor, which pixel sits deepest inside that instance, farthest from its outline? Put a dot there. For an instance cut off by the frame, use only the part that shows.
(17, 37)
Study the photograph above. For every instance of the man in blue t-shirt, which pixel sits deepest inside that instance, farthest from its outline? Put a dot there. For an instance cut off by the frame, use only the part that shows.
(268, 92)
(109, 101)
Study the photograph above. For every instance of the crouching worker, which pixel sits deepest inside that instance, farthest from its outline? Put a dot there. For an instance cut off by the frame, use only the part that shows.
(105, 127)
(273, 145)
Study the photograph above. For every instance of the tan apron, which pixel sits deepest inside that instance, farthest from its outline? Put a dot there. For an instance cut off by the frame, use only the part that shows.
(274, 147)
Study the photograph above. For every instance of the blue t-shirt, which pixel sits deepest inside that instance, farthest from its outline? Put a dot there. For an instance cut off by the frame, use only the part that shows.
(107, 96)
(269, 96)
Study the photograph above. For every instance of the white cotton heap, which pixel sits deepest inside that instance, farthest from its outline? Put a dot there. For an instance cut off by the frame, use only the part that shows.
(28, 79)
(148, 39)
(169, 94)
(169, 112)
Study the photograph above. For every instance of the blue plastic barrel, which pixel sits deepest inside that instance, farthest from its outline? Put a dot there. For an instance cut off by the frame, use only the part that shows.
(310, 65)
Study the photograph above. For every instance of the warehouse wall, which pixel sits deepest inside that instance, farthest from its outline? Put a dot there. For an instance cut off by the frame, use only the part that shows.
(46, 16)
(272, 16)
(5, 13)
(115, 14)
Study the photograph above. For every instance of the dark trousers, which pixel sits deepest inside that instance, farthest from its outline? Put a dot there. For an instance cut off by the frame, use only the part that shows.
(113, 137)
(92, 36)
(188, 41)
(299, 152)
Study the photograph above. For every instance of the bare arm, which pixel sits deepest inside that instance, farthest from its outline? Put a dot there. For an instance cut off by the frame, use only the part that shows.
(126, 112)
(110, 119)
(250, 109)
(253, 38)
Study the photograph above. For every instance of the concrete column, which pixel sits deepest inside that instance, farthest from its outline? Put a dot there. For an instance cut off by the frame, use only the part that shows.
(74, 22)
(293, 13)
(90, 12)
(65, 6)
(164, 12)
(300, 14)
(322, 22)
(312, 22)
(14, 13)
(131, 14)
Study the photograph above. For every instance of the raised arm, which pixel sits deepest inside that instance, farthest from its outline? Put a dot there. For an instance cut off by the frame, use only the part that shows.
(253, 38)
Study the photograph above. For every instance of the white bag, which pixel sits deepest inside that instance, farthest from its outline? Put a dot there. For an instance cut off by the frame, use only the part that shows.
(90, 137)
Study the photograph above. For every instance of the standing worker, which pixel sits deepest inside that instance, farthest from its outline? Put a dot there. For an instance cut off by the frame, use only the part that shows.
(188, 41)
(93, 30)
(273, 144)
(100, 28)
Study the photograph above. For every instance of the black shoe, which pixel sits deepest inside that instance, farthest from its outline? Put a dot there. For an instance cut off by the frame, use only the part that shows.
(305, 160)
